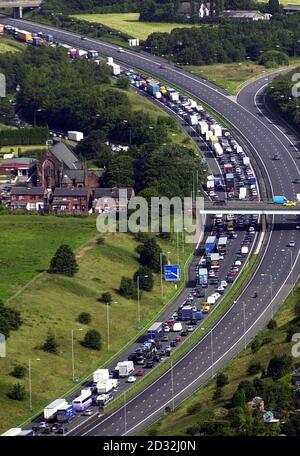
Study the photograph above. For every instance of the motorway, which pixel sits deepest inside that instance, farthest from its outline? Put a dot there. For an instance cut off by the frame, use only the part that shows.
(279, 266)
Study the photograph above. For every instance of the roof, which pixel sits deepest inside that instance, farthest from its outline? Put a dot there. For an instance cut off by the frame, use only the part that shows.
(111, 193)
(18, 162)
(71, 192)
(66, 156)
(75, 174)
(237, 14)
(66, 180)
(32, 191)
(291, 8)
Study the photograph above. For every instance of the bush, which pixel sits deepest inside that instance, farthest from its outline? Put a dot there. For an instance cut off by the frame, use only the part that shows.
(221, 380)
(10, 320)
(128, 288)
(194, 408)
(272, 59)
(254, 368)
(17, 392)
(92, 340)
(50, 346)
(84, 318)
(279, 366)
(267, 341)
(63, 262)
(255, 346)
(18, 371)
(123, 83)
(100, 240)
(218, 394)
(272, 325)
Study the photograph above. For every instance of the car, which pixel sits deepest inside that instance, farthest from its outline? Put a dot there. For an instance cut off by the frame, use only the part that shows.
(165, 338)
(173, 343)
(121, 50)
(289, 204)
(83, 38)
(166, 328)
(149, 364)
(292, 244)
(162, 67)
(296, 181)
(87, 412)
(140, 373)
(178, 339)
(131, 379)
(237, 263)
(220, 289)
(224, 284)
(183, 333)
(190, 328)
(43, 425)
(276, 157)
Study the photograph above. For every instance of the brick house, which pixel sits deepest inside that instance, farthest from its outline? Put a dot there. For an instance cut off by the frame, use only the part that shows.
(28, 199)
(106, 199)
(71, 200)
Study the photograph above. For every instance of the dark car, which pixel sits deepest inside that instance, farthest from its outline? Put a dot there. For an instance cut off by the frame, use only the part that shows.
(183, 333)
(149, 364)
(62, 430)
(173, 343)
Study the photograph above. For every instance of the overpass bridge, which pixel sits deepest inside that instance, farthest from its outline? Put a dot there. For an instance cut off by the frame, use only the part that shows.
(18, 6)
(249, 207)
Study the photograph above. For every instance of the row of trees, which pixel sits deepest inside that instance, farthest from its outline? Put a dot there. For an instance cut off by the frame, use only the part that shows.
(228, 42)
(284, 95)
(24, 136)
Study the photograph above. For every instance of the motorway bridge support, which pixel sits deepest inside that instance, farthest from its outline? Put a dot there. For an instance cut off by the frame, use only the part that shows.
(18, 12)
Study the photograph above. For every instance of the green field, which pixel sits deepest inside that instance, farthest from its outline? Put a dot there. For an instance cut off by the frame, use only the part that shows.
(9, 45)
(129, 24)
(54, 302)
(231, 76)
(236, 370)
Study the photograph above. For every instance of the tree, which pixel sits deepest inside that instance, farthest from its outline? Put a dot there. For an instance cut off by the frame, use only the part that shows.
(239, 398)
(150, 255)
(106, 298)
(297, 308)
(92, 340)
(10, 320)
(279, 366)
(17, 392)
(50, 345)
(18, 371)
(248, 389)
(6, 112)
(146, 280)
(63, 262)
(128, 288)
(218, 393)
(123, 83)
(221, 380)
(273, 58)
(274, 7)
(84, 318)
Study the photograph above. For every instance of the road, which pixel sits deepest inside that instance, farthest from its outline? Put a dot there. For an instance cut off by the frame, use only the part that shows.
(280, 265)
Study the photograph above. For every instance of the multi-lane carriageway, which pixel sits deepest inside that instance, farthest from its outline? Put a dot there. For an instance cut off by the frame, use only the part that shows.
(279, 266)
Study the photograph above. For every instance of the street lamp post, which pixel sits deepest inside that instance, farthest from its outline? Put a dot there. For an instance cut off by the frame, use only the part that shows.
(172, 385)
(161, 275)
(271, 291)
(30, 384)
(292, 274)
(138, 295)
(212, 353)
(244, 319)
(34, 115)
(129, 127)
(72, 352)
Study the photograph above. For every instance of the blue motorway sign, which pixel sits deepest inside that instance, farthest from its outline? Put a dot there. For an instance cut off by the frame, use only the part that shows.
(172, 272)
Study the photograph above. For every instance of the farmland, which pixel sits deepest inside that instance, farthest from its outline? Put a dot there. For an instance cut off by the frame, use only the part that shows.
(129, 24)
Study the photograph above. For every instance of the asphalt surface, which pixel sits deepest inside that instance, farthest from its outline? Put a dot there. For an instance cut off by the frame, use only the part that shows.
(247, 315)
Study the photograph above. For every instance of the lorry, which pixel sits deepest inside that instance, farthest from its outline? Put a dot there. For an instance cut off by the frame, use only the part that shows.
(280, 199)
(193, 119)
(203, 127)
(214, 259)
(202, 277)
(211, 300)
(177, 327)
(105, 386)
(218, 149)
(246, 161)
(173, 96)
(100, 374)
(115, 69)
(1, 29)
(242, 193)
(66, 413)
(125, 368)
(210, 182)
(155, 331)
(49, 38)
(210, 244)
(153, 88)
(12, 432)
(104, 399)
(216, 129)
(92, 54)
(244, 250)
(51, 410)
(222, 245)
(75, 135)
(24, 36)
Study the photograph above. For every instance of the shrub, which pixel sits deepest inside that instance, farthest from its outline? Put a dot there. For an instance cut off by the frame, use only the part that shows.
(254, 368)
(18, 371)
(146, 280)
(279, 366)
(255, 346)
(106, 298)
(92, 340)
(272, 325)
(84, 318)
(221, 380)
(50, 346)
(128, 288)
(17, 392)
(194, 408)
(100, 240)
